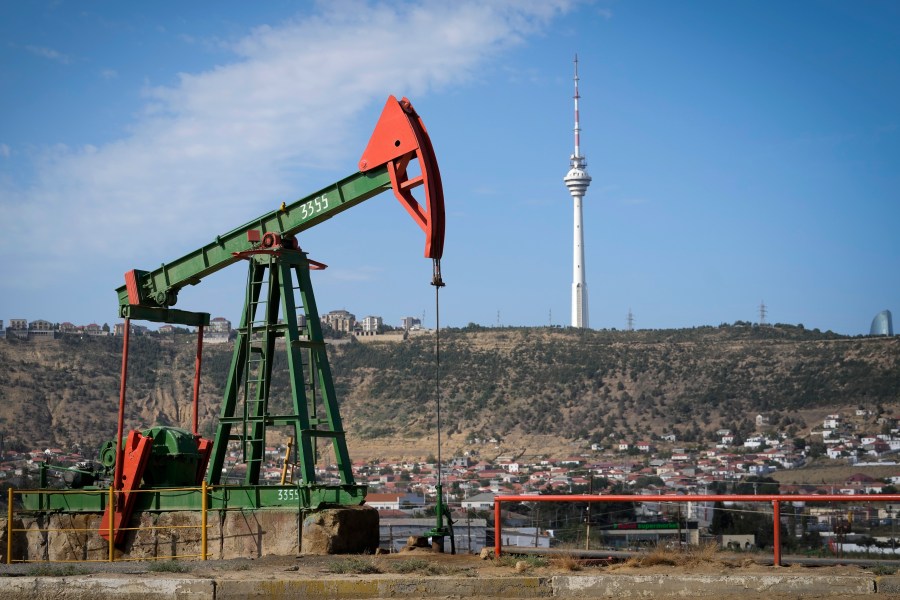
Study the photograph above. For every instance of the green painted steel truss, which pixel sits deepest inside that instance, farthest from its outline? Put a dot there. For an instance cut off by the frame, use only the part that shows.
(280, 315)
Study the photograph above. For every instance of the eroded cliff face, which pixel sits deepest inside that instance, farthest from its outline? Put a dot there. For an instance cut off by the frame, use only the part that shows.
(547, 390)
(65, 392)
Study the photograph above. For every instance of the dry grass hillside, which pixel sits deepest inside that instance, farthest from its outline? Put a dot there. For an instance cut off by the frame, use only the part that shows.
(531, 390)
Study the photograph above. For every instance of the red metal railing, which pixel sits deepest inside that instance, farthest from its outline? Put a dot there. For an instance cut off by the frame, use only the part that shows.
(776, 501)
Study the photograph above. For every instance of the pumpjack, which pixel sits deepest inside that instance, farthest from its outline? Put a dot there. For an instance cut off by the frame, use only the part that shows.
(279, 306)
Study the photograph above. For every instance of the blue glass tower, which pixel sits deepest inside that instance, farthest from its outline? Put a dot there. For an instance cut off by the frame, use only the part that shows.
(881, 324)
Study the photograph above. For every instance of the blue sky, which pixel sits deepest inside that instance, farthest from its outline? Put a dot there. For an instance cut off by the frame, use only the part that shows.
(740, 152)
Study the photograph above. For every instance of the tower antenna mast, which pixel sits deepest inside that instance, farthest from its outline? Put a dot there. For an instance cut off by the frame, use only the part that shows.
(578, 180)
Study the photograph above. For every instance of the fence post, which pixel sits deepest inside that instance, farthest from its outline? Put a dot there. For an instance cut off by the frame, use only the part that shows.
(9, 525)
(496, 528)
(776, 543)
(203, 504)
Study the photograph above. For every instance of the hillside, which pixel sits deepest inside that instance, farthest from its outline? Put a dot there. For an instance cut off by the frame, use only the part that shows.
(532, 390)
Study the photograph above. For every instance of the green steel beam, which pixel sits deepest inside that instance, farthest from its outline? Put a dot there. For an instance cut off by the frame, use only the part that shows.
(229, 497)
(155, 286)
(163, 315)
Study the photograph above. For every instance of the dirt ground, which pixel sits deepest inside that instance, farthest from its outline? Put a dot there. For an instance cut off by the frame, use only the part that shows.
(428, 564)
(419, 564)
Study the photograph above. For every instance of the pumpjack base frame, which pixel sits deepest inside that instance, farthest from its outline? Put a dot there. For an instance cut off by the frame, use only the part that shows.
(226, 497)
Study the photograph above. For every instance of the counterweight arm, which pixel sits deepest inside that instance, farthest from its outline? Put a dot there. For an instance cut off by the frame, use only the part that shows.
(399, 138)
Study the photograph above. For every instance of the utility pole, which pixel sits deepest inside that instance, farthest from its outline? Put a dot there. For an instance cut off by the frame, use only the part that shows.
(679, 526)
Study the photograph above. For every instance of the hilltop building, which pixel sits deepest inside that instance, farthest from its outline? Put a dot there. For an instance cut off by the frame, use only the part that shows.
(218, 332)
(408, 323)
(340, 320)
(372, 325)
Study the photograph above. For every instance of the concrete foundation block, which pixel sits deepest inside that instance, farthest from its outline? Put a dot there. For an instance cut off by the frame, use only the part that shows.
(100, 588)
(346, 530)
(386, 587)
(889, 584)
(178, 535)
(714, 586)
(252, 534)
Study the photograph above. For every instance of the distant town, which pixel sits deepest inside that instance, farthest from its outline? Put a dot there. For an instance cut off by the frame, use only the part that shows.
(404, 492)
(339, 322)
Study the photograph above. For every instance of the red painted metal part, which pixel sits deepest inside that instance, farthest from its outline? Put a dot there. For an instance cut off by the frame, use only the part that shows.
(131, 284)
(314, 265)
(776, 541)
(136, 454)
(197, 365)
(399, 137)
(120, 430)
(775, 499)
(204, 448)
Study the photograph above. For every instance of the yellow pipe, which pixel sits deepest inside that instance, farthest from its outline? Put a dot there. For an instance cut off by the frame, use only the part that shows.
(287, 455)
(112, 518)
(203, 522)
(9, 527)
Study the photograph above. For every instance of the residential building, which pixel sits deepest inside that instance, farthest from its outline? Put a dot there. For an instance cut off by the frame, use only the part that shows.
(41, 329)
(479, 502)
(18, 328)
(408, 323)
(119, 329)
(67, 327)
(218, 332)
(384, 501)
(94, 329)
(340, 320)
(372, 325)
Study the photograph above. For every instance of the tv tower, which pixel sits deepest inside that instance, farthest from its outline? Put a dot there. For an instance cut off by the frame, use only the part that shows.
(577, 180)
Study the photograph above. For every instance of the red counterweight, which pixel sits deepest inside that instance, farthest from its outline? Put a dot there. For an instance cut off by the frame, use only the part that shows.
(399, 137)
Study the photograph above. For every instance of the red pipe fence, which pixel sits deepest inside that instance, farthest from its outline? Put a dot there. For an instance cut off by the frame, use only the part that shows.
(776, 501)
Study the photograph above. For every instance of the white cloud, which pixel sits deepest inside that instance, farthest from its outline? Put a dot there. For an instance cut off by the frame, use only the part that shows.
(49, 53)
(203, 150)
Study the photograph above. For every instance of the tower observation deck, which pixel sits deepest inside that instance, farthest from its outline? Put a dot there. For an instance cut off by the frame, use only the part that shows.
(578, 180)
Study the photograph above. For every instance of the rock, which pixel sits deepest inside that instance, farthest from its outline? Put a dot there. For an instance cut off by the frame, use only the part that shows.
(522, 566)
(486, 553)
